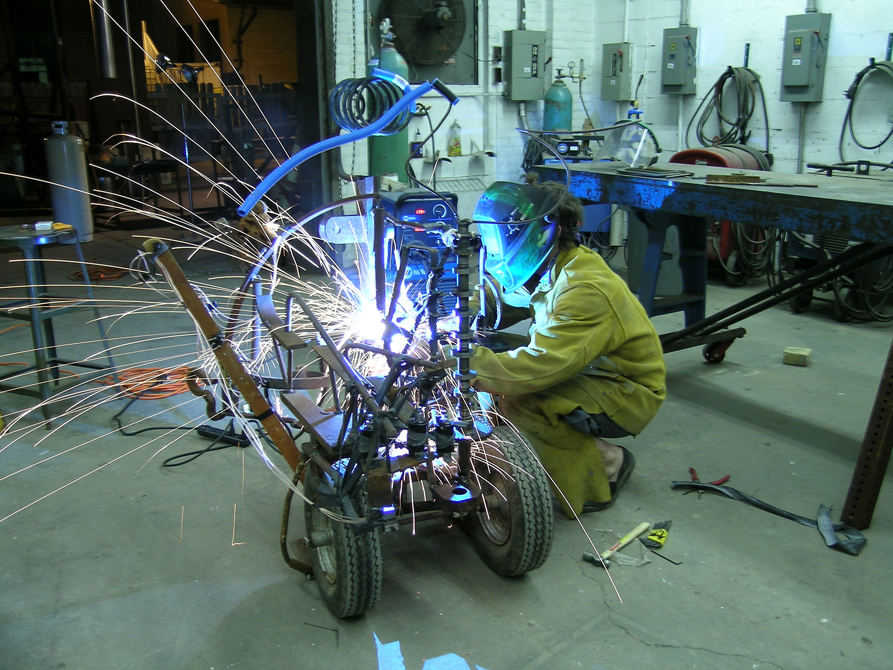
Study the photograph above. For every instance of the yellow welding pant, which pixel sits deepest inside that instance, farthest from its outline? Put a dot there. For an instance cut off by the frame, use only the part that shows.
(571, 458)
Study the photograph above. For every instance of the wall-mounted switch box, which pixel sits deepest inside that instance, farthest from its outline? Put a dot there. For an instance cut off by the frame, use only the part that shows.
(805, 53)
(524, 59)
(617, 71)
(679, 66)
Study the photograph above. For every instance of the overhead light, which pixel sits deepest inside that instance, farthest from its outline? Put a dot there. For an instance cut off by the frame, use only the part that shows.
(190, 73)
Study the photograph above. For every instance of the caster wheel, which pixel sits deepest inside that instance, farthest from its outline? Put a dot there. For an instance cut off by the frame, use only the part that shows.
(800, 303)
(715, 352)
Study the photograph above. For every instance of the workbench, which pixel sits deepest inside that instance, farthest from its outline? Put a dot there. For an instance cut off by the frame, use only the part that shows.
(858, 208)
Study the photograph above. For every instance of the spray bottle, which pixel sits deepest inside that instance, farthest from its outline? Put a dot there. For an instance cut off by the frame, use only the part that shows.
(454, 140)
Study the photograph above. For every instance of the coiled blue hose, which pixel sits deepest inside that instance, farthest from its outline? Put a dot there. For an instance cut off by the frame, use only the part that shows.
(361, 133)
(356, 103)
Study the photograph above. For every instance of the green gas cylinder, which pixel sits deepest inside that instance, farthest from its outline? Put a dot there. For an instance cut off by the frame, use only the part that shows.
(388, 154)
(558, 106)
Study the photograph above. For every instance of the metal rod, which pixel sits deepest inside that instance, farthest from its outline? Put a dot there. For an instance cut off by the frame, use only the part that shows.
(463, 293)
(874, 456)
(844, 268)
(746, 53)
(378, 250)
(227, 358)
(708, 325)
(188, 169)
(132, 74)
(801, 137)
(104, 43)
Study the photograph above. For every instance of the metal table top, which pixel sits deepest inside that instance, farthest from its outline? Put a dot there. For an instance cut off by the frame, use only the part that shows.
(852, 207)
(16, 236)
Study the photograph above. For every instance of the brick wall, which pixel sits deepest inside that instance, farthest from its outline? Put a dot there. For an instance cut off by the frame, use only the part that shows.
(577, 30)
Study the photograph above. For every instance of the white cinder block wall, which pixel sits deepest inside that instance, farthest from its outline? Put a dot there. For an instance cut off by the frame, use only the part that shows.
(578, 29)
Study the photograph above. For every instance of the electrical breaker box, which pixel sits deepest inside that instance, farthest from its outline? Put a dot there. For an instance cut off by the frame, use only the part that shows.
(679, 65)
(805, 53)
(617, 71)
(524, 61)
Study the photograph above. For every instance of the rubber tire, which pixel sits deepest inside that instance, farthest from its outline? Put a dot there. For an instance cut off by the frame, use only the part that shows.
(715, 352)
(348, 571)
(516, 537)
(800, 303)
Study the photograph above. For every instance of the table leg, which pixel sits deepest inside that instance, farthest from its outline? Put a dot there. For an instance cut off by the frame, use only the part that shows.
(36, 286)
(99, 323)
(871, 465)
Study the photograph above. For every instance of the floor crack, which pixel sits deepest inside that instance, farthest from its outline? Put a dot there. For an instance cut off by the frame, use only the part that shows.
(657, 645)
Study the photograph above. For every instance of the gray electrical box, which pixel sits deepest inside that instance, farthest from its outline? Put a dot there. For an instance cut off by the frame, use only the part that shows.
(617, 71)
(805, 53)
(679, 66)
(524, 59)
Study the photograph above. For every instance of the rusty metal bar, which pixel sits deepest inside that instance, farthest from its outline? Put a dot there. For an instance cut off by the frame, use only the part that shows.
(874, 456)
(229, 362)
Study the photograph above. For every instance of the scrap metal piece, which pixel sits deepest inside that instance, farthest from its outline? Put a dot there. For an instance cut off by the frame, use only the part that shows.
(457, 499)
(734, 178)
(195, 375)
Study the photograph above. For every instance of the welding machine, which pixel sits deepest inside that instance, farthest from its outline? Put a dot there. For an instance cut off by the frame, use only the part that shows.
(417, 209)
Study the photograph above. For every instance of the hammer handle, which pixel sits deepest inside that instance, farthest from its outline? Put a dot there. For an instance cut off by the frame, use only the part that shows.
(626, 539)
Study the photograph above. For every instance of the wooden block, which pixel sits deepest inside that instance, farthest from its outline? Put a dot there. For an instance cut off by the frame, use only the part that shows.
(797, 356)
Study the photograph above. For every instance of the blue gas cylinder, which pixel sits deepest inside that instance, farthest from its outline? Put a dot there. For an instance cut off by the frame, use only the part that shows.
(558, 106)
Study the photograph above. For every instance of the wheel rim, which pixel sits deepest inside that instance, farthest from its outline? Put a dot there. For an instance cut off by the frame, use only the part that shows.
(496, 520)
(325, 554)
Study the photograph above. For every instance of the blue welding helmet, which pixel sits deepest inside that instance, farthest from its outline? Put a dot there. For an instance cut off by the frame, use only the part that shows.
(515, 251)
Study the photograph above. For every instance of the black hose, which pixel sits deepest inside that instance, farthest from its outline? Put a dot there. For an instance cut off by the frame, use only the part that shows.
(732, 130)
(358, 103)
(887, 68)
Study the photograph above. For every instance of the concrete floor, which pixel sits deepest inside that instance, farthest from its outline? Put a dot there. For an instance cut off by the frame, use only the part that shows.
(116, 562)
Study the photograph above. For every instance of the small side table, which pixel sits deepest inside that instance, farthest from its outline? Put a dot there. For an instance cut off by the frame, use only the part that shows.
(38, 310)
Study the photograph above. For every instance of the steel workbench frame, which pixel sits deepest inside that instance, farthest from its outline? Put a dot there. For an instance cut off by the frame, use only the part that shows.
(855, 208)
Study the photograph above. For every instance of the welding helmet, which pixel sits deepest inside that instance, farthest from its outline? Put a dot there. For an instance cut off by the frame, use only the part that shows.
(515, 251)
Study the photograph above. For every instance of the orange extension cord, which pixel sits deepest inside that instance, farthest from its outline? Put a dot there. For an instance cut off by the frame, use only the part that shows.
(142, 383)
(99, 273)
(150, 383)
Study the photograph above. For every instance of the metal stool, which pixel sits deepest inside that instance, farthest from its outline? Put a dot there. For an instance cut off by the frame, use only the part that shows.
(37, 310)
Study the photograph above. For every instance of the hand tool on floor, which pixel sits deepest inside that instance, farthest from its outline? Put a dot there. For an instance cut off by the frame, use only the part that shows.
(694, 478)
(657, 535)
(622, 542)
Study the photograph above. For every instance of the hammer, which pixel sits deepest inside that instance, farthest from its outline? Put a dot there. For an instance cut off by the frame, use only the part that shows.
(622, 542)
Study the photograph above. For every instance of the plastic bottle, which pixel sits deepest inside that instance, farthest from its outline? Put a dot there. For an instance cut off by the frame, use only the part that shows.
(454, 140)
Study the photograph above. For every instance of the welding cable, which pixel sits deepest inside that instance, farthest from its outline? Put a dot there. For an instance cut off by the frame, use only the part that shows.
(177, 460)
(870, 289)
(732, 130)
(120, 429)
(754, 245)
(886, 67)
